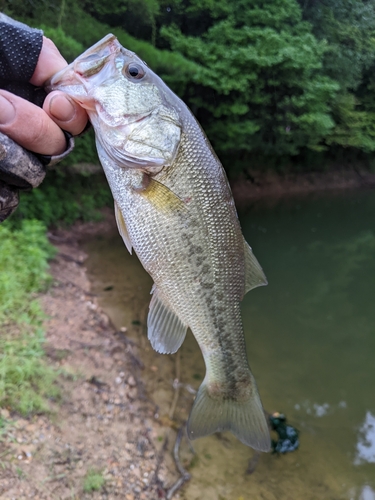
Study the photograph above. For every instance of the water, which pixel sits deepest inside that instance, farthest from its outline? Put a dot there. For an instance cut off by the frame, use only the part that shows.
(311, 342)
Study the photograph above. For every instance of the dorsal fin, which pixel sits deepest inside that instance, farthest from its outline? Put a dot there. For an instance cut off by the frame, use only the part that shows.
(254, 275)
(122, 228)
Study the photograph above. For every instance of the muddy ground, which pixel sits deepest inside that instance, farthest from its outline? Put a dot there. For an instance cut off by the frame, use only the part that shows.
(105, 421)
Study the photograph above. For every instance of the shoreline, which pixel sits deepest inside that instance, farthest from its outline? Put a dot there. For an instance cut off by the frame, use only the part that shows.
(271, 186)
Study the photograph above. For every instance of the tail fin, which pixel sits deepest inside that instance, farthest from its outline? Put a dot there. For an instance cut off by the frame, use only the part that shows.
(246, 419)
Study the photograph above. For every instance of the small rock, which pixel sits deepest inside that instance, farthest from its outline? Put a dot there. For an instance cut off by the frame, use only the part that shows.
(132, 393)
(131, 381)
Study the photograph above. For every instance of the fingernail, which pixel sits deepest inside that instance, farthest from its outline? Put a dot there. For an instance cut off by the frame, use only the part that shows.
(62, 108)
(7, 111)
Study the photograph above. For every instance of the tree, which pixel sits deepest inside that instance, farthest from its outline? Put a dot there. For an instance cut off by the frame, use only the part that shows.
(260, 88)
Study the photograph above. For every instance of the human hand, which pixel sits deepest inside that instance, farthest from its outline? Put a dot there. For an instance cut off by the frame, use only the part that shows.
(40, 129)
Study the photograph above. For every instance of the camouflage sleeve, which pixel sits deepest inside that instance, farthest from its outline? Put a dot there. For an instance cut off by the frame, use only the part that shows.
(20, 47)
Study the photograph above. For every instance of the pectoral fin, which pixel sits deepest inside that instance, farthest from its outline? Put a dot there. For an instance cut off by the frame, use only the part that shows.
(166, 331)
(160, 196)
(254, 275)
(122, 228)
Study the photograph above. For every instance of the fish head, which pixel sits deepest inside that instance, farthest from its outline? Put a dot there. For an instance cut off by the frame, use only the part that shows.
(136, 117)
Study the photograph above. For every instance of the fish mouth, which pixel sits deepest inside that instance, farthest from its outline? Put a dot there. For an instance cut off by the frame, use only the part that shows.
(65, 77)
(87, 63)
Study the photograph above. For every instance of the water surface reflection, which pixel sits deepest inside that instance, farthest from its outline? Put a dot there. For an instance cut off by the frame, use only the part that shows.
(311, 332)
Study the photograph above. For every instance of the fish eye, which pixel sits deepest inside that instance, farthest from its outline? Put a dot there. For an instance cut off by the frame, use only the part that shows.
(135, 71)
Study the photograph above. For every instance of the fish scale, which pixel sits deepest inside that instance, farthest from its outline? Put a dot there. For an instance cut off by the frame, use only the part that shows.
(175, 208)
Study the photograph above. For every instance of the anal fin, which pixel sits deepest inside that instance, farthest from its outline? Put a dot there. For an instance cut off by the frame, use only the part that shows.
(122, 228)
(166, 331)
(254, 275)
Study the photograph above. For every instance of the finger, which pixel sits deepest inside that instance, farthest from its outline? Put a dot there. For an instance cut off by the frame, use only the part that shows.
(50, 62)
(65, 112)
(30, 126)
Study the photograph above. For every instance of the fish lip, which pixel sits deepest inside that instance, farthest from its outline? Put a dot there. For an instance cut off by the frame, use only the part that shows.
(53, 83)
(109, 42)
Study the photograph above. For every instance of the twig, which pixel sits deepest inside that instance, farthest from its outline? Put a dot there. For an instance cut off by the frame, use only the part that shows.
(67, 257)
(159, 461)
(188, 387)
(53, 478)
(86, 345)
(5, 453)
(253, 462)
(61, 283)
(185, 476)
(59, 239)
(136, 362)
(176, 386)
(123, 338)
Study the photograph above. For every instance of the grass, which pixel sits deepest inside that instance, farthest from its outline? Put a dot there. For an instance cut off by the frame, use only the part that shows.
(23, 271)
(93, 480)
(64, 198)
(26, 380)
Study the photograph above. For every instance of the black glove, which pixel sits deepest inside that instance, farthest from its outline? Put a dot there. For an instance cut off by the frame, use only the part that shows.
(20, 47)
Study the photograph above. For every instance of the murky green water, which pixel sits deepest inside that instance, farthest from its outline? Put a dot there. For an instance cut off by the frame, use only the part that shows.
(311, 342)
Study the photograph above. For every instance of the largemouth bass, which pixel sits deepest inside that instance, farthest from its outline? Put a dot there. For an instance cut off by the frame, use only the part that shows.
(174, 206)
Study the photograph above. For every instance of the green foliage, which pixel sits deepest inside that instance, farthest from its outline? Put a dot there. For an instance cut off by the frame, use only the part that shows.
(23, 269)
(349, 28)
(25, 379)
(84, 151)
(269, 80)
(355, 128)
(93, 481)
(65, 197)
(137, 17)
(68, 46)
(171, 66)
(260, 88)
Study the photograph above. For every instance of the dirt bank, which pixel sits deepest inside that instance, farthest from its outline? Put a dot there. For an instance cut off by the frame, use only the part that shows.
(105, 421)
(257, 185)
